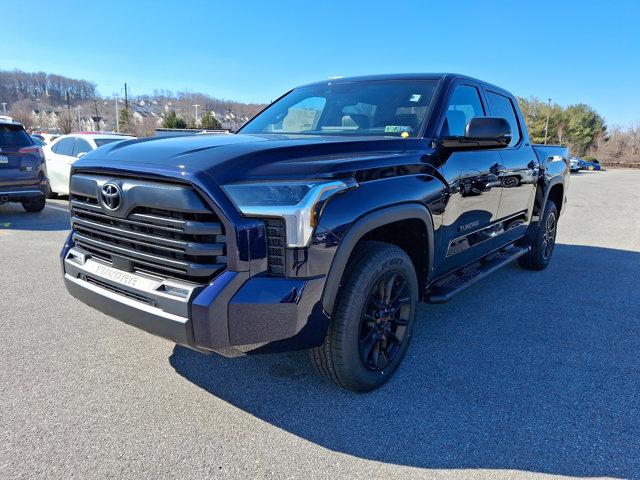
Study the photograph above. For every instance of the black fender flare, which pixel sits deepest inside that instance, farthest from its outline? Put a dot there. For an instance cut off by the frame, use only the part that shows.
(546, 189)
(543, 193)
(362, 226)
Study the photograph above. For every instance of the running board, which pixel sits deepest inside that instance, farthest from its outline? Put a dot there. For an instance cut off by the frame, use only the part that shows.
(445, 289)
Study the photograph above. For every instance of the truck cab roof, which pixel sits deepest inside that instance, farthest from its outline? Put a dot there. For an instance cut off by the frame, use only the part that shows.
(444, 77)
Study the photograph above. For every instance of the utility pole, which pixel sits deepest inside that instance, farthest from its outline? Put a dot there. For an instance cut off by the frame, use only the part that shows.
(117, 115)
(78, 114)
(97, 122)
(126, 98)
(4, 108)
(68, 110)
(546, 128)
(196, 114)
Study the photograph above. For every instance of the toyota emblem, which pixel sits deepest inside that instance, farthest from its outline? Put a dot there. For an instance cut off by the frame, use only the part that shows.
(111, 195)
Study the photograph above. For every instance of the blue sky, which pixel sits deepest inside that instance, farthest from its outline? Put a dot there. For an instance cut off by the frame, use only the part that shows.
(573, 51)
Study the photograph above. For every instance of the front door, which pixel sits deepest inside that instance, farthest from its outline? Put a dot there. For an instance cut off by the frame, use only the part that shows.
(472, 204)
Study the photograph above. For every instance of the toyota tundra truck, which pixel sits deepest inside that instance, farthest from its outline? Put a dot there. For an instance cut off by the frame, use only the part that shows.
(320, 224)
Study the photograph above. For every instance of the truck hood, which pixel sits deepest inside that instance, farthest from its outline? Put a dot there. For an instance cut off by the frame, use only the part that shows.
(235, 157)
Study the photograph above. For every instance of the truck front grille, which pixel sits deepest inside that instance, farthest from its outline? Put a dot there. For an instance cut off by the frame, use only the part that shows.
(275, 247)
(189, 245)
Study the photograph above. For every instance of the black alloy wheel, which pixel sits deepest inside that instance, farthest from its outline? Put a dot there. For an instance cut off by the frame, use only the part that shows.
(541, 240)
(384, 321)
(549, 235)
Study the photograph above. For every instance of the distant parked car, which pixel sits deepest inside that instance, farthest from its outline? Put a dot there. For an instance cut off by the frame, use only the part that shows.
(578, 163)
(65, 150)
(22, 172)
(38, 140)
(575, 164)
(591, 164)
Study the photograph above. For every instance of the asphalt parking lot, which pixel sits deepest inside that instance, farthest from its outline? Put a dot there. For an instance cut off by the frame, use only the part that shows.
(524, 375)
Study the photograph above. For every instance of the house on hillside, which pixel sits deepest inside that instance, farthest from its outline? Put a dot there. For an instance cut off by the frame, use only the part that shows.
(141, 116)
(91, 123)
(45, 119)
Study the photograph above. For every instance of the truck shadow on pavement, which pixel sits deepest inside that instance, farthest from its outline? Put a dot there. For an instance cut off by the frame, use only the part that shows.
(533, 371)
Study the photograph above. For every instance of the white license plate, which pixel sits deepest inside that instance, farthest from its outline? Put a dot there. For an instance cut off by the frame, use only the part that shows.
(123, 278)
(4, 159)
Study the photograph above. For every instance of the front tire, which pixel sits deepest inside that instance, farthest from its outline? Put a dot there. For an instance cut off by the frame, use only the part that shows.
(543, 240)
(34, 206)
(373, 319)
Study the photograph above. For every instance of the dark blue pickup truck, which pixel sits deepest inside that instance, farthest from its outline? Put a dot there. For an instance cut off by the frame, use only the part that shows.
(321, 224)
(22, 168)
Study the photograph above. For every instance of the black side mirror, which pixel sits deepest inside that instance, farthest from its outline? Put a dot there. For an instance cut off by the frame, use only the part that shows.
(481, 133)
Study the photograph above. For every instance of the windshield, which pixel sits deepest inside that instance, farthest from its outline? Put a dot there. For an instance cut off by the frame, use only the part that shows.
(352, 108)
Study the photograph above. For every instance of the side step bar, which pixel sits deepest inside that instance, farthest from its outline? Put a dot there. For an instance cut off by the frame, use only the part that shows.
(444, 289)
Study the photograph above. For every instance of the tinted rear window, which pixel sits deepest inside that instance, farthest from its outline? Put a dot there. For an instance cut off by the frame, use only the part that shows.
(14, 136)
(103, 141)
(82, 146)
(65, 146)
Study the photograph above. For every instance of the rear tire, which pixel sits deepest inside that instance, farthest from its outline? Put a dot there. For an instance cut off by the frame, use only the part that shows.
(373, 319)
(34, 206)
(542, 241)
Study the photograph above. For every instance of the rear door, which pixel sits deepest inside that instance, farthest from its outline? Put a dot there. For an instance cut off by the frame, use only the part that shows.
(518, 171)
(18, 156)
(472, 205)
(59, 164)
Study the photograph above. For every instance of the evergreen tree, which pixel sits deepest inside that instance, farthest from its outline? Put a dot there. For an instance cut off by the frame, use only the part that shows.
(172, 120)
(584, 126)
(125, 121)
(209, 122)
(578, 126)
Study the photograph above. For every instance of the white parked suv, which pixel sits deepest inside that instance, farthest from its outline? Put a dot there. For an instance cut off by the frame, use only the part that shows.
(65, 150)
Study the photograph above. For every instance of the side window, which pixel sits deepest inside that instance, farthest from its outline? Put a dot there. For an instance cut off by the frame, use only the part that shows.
(82, 146)
(464, 105)
(501, 106)
(65, 146)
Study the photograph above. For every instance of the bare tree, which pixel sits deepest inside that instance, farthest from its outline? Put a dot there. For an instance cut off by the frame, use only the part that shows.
(66, 122)
(19, 85)
(620, 146)
(20, 112)
(145, 128)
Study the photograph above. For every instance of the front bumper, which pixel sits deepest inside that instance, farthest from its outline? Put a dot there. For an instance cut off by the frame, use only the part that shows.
(234, 314)
(22, 193)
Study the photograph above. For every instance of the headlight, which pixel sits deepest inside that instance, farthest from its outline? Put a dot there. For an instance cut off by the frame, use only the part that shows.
(294, 201)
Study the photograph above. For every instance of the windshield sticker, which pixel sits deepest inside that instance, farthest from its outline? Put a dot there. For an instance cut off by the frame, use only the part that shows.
(415, 97)
(397, 128)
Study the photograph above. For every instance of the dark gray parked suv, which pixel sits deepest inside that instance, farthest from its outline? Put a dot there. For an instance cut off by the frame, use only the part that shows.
(22, 168)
